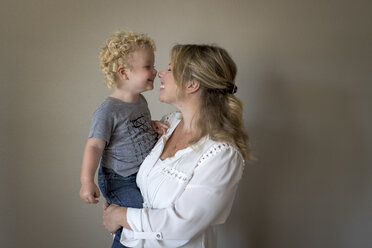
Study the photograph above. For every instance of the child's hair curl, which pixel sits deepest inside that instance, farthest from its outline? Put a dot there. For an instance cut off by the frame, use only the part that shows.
(118, 50)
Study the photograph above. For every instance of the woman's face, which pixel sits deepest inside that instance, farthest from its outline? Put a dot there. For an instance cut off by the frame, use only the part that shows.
(168, 87)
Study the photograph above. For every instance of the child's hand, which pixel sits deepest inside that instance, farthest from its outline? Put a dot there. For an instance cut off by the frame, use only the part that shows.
(89, 193)
(159, 127)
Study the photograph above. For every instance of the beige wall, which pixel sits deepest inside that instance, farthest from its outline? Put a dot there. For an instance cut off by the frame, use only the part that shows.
(304, 77)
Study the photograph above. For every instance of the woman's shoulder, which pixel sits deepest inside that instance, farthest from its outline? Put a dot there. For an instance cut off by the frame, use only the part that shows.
(214, 149)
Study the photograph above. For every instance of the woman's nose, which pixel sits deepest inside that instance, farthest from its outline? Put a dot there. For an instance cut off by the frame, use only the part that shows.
(160, 74)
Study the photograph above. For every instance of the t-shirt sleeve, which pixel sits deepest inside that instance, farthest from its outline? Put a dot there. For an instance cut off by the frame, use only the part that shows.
(102, 124)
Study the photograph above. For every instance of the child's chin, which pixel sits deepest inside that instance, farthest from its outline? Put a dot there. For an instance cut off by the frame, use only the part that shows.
(149, 87)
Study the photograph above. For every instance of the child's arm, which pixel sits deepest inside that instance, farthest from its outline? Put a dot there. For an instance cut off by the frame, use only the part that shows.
(89, 191)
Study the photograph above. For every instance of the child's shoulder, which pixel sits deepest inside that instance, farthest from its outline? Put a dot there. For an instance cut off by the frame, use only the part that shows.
(107, 105)
(108, 102)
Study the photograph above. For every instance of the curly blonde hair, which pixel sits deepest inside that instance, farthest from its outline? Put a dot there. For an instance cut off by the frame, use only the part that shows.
(220, 112)
(118, 51)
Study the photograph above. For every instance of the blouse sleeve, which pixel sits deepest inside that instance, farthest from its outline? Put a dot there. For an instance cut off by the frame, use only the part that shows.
(206, 201)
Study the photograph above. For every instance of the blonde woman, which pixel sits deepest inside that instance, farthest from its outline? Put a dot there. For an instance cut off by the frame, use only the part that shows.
(189, 180)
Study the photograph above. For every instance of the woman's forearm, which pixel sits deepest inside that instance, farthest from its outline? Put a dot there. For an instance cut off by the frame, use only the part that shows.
(115, 217)
(123, 218)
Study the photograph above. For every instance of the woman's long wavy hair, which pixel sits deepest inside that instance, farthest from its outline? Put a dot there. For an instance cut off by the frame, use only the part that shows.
(220, 114)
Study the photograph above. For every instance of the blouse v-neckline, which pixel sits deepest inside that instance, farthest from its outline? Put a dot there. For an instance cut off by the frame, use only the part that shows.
(164, 140)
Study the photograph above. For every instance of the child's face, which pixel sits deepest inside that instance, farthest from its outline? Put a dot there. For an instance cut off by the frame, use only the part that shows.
(142, 74)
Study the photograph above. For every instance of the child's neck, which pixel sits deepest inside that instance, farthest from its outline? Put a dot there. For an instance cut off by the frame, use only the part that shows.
(124, 96)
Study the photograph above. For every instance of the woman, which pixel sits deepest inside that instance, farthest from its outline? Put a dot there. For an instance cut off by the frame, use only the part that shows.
(188, 181)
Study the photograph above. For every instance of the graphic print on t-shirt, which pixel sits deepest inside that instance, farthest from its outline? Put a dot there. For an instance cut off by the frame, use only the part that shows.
(139, 123)
(141, 135)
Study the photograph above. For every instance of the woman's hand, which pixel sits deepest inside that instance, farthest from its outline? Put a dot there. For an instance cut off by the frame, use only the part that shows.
(114, 217)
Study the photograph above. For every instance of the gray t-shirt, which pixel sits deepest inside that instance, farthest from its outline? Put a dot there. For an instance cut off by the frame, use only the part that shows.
(126, 128)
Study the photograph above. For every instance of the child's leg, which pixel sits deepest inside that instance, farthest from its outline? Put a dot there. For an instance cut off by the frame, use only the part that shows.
(119, 190)
(116, 243)
(122, 191)
(103, 180)
(126, 194)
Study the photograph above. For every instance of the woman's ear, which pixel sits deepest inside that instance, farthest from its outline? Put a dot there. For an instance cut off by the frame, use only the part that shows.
(122, 73)
(192, 87)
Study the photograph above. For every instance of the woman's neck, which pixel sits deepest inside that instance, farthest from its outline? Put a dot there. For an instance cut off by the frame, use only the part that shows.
(189, 112)
(188, 122)
(185, 130)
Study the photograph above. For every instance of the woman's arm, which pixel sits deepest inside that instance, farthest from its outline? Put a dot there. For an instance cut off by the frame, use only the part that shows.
(114, 217)
(206, 201)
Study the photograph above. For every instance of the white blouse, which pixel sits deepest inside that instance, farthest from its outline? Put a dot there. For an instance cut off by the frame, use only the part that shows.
(185, 196)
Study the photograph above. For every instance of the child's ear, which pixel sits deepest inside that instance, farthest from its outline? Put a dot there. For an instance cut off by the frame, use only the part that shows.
(192, 87)
(122, 73)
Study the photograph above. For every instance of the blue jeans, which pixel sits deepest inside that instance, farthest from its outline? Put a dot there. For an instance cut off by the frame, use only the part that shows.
(119, 190)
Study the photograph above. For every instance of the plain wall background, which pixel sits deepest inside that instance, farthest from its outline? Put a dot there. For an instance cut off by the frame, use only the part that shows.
(304, 77)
